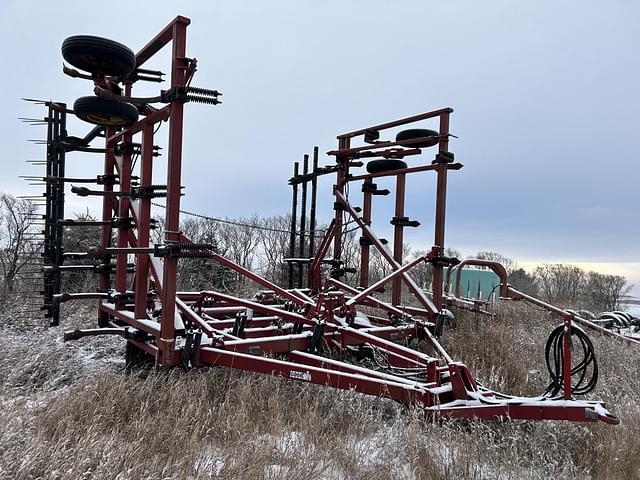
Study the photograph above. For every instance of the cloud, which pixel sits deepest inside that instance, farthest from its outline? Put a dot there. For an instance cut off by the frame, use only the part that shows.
(545, 97)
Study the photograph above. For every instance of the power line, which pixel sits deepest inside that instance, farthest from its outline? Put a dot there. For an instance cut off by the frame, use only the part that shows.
(239, 224)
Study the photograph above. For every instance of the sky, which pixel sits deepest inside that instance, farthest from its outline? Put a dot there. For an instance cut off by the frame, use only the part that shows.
(546, 97)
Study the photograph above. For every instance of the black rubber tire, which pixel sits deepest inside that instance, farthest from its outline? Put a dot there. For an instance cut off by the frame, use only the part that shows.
(616, 319)
(98, 55)
(137, 358)
(386, 165)
(414, 133)
(626, 315)
(106, 113)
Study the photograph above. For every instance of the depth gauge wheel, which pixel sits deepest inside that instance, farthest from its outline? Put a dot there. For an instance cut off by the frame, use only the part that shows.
(377, 166)
(106, 113)
(414, 133)
(98, 55)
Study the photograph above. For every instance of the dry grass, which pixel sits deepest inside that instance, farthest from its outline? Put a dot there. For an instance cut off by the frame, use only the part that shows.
(70, 411)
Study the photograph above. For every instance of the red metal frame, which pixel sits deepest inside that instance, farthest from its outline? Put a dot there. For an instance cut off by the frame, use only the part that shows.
(317, 338)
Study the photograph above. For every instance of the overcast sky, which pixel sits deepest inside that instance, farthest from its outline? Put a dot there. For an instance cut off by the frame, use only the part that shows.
(546, 98)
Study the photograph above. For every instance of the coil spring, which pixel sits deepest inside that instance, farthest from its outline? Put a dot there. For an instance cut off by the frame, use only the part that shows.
(192, 255)
(203, 91)
(201, 99)
(190, 246)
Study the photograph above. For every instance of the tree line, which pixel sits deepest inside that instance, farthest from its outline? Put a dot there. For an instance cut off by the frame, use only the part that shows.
(261, 244)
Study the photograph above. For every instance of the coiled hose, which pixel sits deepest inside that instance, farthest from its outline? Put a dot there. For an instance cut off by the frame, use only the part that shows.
(554, 356)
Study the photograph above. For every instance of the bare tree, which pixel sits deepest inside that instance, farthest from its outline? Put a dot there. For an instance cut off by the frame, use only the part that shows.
(604, 292)
(16, 247)
(157, 233)
(523, 281)
(509, 264)
(378, 266)
(274, 248)
(200, 273)
(81, 239)
(561, 283)
(239, 240)
(351, 254)
(516, 276)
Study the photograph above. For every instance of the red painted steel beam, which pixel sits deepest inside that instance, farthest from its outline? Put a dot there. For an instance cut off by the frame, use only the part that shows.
(158, 116)
(352, 152)
(397, 355)
(401, 392)
(225, 262)
(365, 251)
(421, 359)
(567, 347)
(573, 413)
(342, 174)
(220, 310)
(365, 294)
(124, 170)
(259, 307)
(399, 122)
(142, 220)
(315, 278)
(200, 323)
(230, 322)
(107, 214)
(273, 344)
(389, 173)
(518, 295)
(441, 206)
(148, 326)
(166, 343)
(368, 298)
(330, 364)
(420, 296)
(392, 332)
(260, 280)
(160, 40)
(398, 237)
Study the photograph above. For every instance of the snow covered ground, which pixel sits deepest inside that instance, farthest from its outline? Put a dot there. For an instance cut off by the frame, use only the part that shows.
(71, 411)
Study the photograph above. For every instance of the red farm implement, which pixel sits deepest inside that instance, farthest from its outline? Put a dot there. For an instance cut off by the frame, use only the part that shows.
(317, 334)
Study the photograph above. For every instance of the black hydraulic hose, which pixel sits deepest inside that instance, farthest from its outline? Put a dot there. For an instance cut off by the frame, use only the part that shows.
(554, 356)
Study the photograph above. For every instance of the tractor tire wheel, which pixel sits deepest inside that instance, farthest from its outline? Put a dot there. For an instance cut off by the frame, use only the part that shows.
(386, 165)
(414, 133)
(616, 320)
(626, 315)
(134, 358)
(98, 55)
(106, 113)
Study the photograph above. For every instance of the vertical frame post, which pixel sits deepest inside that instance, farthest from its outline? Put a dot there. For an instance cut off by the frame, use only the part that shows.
(143, 226)
(365, 248)
(294, 213)
(398, 237)
(566, 358)
(303, 217)
(123, 205)
(312, 213)
(166, 343)
(441, 207)
(343, 171)
(108, 201)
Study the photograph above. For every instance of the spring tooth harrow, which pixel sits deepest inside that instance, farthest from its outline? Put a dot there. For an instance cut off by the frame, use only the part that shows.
(314, 335)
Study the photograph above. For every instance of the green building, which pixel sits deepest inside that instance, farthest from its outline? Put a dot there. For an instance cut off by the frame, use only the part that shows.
(477, 284)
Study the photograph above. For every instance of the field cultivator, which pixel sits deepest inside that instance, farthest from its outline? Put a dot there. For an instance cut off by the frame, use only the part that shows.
(319, 334)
